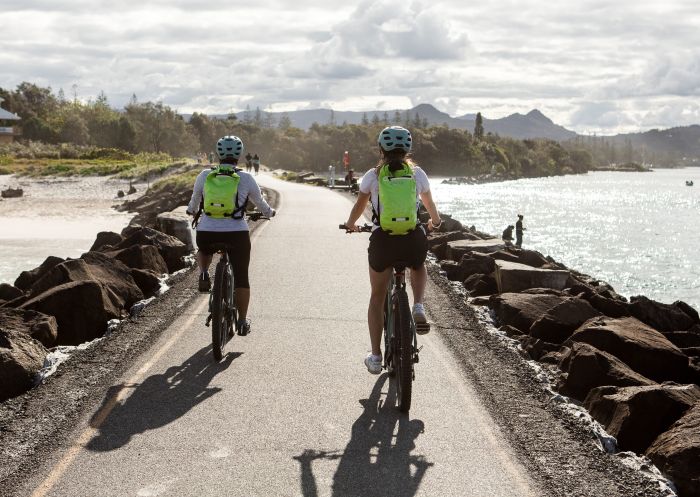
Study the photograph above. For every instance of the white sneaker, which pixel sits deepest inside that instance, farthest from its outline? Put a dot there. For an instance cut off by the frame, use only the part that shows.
(373, 363)
(419, 317)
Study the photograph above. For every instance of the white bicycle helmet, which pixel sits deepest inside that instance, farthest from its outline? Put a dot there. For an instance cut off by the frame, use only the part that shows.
(395, 137)
(229, 147)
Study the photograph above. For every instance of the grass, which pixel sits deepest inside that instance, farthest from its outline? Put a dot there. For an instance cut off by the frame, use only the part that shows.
(178, 181)
(139, 166)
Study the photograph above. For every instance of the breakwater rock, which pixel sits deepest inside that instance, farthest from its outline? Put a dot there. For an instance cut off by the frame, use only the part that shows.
(634, 364)
(72, 301)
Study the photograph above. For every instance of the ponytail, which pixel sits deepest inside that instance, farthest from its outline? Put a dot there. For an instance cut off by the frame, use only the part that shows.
(395, 160)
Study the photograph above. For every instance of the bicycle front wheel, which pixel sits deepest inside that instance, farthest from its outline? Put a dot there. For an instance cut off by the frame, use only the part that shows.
(403, 350)
(219, 314)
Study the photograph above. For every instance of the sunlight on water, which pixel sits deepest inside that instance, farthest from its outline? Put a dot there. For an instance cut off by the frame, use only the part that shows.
(55, 217)
(637, 231)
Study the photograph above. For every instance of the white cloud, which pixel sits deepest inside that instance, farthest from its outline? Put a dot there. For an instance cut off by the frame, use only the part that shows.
(589, 64)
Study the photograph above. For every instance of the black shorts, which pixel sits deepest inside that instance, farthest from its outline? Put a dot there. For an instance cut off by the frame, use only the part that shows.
(238, 253)
(385, 250)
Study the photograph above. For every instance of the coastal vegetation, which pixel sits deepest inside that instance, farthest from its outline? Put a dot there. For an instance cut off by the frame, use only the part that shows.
(63, 136)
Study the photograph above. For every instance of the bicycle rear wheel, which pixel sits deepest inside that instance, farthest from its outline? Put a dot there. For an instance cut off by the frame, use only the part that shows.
(403, 349)
(219, 314)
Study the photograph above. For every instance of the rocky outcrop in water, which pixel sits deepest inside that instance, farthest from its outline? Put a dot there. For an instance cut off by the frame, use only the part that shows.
(616, 355)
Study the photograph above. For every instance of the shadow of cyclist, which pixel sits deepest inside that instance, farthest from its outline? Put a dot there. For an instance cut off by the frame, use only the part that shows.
(158, 400)
(377, 461)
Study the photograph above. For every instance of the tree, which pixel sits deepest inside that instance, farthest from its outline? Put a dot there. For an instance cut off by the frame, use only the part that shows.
(257, 118)
(375, 119)
(331, 119)
(479, 127)
(397, 117)
(285, 122)
(75, 130)
(365, 121)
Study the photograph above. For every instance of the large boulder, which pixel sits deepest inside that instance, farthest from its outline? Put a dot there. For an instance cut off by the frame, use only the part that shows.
(663, 317)
(677, 453)
(683, 339)
(635, 416)
(477, 263)
(27, 278)
(559, 322)
(148, 281)
(21, 358)
(457, 249)
(453, 270)
(37, 325)
(642, 348)
(141, 257)
(172, 249)
(81, 308)
(586, 367)
(521, 310)
(532, 258)
(93, 266)
(514, 277)
(435, 239)
(480, 285)
(106, 238)
(608, 306)
(177, 224)
(9, 292)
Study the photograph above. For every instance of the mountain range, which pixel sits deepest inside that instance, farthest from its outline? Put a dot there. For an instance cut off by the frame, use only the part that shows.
(676, 144)
(534, 124)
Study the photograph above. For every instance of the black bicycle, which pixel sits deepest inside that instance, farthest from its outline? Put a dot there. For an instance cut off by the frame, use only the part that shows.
(223, 315)
(400, 337)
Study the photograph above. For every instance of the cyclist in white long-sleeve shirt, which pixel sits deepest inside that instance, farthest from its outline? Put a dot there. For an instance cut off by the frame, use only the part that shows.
(222, 194)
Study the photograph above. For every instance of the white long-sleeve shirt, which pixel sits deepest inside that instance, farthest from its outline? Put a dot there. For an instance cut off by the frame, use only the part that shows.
(248, 189)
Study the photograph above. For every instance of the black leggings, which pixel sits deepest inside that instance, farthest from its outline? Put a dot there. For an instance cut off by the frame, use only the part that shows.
(238, 253)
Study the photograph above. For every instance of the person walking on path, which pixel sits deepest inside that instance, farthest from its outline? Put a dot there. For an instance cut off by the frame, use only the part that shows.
(519, 231)
(390, 241)
(221, 194)
(256, 163)
(248, 162)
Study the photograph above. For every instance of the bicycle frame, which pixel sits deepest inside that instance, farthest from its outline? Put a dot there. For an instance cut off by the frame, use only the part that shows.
(397, 283)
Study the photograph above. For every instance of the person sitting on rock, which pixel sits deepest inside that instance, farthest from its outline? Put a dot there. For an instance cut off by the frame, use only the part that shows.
(508, 235)
(224, 221)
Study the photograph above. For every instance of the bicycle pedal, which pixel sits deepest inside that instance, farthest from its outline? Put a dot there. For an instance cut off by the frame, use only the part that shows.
(422, 328)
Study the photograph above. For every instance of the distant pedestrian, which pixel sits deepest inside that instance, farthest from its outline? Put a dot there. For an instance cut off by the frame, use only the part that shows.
(256, 163)
(508, 235)
(211, 157)
(519, 231)
(248, 162)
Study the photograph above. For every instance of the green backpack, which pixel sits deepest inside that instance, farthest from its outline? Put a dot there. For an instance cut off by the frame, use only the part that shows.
(398, 214)
(221, 194)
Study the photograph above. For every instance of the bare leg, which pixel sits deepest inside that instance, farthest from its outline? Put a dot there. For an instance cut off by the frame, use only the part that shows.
(375, 312)
(203, 261)
(242, 301)
(419, 277)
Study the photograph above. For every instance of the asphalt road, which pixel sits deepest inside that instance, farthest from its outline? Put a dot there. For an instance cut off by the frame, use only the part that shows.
(291, 410)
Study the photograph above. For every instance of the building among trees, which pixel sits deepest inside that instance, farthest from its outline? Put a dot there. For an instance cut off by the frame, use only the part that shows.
(7, 130)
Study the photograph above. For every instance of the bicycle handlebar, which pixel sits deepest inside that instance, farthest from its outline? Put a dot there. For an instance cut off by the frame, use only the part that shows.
(365, 228)
(251, 216)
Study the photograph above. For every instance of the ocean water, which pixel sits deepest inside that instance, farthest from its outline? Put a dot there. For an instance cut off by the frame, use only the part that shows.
(58, 217)
(640, 232)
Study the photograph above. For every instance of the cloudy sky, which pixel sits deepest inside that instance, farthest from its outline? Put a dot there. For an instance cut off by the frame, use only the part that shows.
(593, 66)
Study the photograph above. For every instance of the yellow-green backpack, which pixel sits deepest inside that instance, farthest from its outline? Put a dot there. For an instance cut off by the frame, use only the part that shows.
(221, 194)
(398, 214)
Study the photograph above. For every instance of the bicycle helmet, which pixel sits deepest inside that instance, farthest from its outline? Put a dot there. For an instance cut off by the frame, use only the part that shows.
(395, 137)
(230, 147)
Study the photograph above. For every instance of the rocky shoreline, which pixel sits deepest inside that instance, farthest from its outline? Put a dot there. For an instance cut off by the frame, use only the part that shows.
(633, 365)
